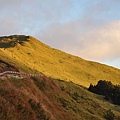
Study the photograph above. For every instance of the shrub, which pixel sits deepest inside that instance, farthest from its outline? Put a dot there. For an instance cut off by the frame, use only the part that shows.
(3, 92)
(109, 115)
(107, 89)
(36, 107)
(75, 96)
(64, 102)
(41, 84)
(62, 88)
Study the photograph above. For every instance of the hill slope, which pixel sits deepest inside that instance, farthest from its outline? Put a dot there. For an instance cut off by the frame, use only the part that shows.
(40, 98)
(32, 56)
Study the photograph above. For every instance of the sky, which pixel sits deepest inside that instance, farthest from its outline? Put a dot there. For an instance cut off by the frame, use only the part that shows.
(86, 28)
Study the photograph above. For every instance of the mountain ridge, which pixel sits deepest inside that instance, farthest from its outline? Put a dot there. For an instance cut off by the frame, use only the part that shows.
(53, 62)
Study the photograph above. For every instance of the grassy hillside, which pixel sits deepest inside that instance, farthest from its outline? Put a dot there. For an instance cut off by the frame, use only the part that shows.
(40, 98)
(32, 56)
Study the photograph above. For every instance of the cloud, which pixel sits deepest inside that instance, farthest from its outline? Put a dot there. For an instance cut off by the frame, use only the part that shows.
(98, 44)
(28, 17)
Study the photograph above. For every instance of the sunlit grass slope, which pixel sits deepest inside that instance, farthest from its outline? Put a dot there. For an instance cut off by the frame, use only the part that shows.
(38, 57)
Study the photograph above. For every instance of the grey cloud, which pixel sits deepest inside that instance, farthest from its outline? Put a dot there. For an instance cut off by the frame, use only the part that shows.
(47, 9)
(18, 16)
(101, 12)
(8, 26)
(100, 44)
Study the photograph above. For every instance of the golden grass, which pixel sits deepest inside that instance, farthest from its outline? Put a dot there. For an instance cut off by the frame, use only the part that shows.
(34, 56)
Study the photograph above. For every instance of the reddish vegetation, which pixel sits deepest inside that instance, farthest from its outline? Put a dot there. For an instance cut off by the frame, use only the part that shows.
(6, 67)
(43, 98)
(22, 99)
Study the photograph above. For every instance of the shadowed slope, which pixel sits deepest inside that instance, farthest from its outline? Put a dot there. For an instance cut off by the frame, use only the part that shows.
(33, 56)
(40, 98)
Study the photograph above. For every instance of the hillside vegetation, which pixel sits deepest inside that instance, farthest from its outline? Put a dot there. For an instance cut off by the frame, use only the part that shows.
(106, 88)
(38, 98)
(32, 56)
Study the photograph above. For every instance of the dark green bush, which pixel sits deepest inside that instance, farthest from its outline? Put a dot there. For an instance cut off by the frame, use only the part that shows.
(64, 102)
(107, 89)
(109, 115)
